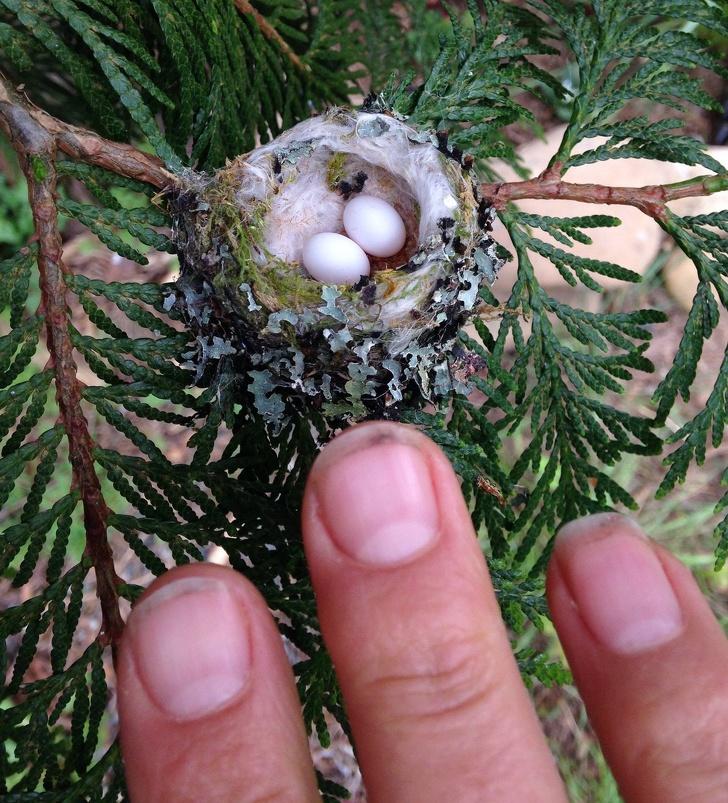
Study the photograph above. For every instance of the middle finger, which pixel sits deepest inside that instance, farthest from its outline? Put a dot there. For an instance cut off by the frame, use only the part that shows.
(436, 702)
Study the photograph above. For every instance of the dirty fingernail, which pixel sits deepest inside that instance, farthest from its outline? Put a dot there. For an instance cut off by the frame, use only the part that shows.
(191, 647)
(377, 502)
(618, 583)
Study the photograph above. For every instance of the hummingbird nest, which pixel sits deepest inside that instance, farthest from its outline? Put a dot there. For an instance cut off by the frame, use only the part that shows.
(350, 351)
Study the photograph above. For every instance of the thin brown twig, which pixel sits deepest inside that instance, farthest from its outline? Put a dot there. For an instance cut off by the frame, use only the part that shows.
(36, 148)
(650, 199)
(270, 33)
(85, 145)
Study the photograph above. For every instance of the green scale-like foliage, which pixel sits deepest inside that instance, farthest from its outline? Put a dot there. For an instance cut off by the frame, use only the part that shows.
(217, 78)
(201, 82)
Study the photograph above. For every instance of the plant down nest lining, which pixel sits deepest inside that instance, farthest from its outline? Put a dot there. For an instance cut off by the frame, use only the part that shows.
(350, 351)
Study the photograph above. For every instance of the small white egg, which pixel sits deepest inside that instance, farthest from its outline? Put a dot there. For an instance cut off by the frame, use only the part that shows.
(374, 225)
(334, 259)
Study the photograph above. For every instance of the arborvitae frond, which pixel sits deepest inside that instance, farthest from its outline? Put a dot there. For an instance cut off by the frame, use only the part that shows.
(237, 70)
(698, 236)
(386, 45)
(555, 384)
(14, 281)
(560, 397)
(469, 90)
(605, 45)
(98, 221)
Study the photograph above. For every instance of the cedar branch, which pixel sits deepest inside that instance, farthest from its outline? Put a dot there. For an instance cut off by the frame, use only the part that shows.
(650, 199)
(86, 146)
(125, 160)
(270, 33)
(36, 148)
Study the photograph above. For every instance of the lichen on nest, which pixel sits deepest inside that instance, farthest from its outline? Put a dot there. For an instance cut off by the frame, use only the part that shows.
(350, 351)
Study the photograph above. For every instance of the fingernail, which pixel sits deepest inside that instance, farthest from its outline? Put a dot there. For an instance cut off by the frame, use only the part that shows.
(376, 499)
(618, 583)
(191, 647)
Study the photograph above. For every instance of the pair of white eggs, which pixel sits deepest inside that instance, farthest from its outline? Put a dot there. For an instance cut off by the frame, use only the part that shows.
(373, 227)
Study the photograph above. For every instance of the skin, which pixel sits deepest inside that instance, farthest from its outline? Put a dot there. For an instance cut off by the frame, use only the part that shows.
(408, 613)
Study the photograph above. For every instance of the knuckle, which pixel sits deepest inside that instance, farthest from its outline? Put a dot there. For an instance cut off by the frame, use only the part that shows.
(449, 677)
(230, 769)
(692, 762)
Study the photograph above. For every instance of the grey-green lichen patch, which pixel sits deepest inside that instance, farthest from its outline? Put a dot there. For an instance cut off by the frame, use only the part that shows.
(373, 126)
(348, 351)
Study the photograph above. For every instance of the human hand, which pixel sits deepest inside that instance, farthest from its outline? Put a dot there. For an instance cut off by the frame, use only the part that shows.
(407, 610)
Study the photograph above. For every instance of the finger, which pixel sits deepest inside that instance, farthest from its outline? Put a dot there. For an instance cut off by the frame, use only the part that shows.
(649, 658)
(207, 700)
(436, 703)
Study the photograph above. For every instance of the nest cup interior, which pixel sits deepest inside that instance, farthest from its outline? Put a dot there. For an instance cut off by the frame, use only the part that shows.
(314, 203)
(304, 179)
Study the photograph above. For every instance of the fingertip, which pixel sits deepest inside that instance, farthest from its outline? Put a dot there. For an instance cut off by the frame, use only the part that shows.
(597, 526)
(617, 583)
(413, 626)
(381, 493)
(190, 644)
(648, 657)
(375, 497)
(207, 701)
